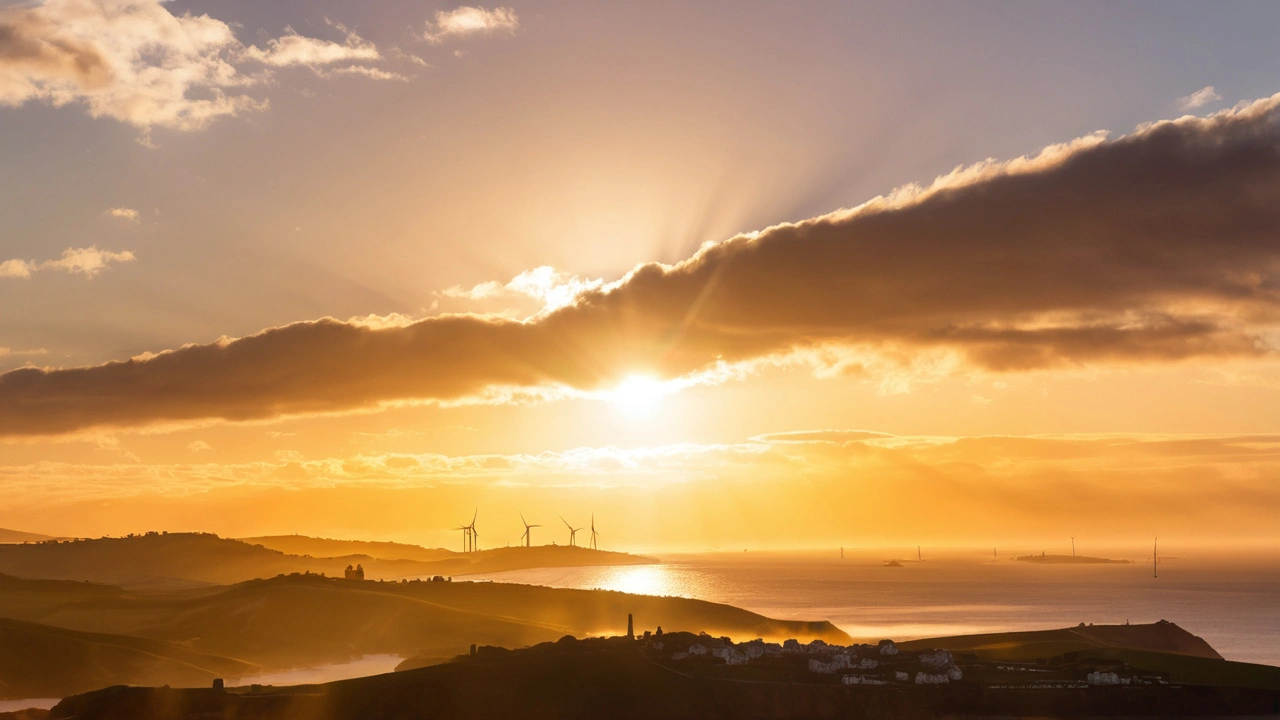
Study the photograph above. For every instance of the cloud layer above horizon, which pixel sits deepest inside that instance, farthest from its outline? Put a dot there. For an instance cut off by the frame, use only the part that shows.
(976, 489)
(1160, 246)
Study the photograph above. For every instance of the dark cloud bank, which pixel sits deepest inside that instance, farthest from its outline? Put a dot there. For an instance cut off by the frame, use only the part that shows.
(1159, 246)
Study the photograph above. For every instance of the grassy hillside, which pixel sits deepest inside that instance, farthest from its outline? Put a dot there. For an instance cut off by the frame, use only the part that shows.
(1161, 637)
(20, 597)
(301, 620)
(615, 678)
(154, 560)
(43, 661)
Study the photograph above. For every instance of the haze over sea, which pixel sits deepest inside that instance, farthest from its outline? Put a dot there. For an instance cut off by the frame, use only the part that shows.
(1230, 600)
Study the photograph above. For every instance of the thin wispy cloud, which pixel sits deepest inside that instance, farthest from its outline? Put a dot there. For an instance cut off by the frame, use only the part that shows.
(1199, 98)
(1159, 247)
(295, 49)
(10, 352)
(124, 213)
(465, 21)
(88, 262)
(364, 71)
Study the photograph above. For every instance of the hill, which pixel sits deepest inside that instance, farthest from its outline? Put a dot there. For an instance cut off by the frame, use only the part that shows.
(620, 678)
(1160, 637)
(305, 620)
(43, 661)
(183, 560)
(326, 547)
(160, 560)
(521, 558)
(17, 536)
(20, 597)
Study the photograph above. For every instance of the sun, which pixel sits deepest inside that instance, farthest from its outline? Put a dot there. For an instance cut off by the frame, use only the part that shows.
(639, 395)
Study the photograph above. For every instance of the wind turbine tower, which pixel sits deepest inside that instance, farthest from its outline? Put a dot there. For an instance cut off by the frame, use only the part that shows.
(573, 532)
(1155, 558)
(1073, 546)
(594, 534)
(466, 537)
(528, 532)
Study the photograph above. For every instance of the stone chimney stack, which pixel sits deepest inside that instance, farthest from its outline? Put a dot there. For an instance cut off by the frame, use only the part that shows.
(631, 631)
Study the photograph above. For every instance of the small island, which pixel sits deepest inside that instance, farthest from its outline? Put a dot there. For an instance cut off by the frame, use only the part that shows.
(1070, 560)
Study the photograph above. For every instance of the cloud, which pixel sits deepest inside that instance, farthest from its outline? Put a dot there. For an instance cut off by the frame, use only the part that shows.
(199, 446)
(131, 60)
(124, 213)
(136, 62)
(15, 268)
(83, 261)
(295, 49)
(10, 352)
(1157, 247)
(546, 286)
(837, 437)
(986, 488)
(1199, 98)
(370, 73)
(465, 20)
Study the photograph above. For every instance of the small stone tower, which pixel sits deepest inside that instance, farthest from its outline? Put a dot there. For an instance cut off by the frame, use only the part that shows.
(631, 631)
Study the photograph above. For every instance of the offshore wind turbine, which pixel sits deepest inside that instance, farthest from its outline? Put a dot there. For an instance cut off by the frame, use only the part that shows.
(528, 535)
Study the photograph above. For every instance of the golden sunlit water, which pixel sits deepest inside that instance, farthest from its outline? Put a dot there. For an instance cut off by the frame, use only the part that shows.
(1230, 603)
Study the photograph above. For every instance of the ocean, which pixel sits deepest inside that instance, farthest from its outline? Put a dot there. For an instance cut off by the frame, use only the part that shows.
(1233, 603)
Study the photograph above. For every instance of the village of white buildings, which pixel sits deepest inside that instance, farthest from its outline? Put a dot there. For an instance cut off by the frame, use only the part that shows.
(884, 663)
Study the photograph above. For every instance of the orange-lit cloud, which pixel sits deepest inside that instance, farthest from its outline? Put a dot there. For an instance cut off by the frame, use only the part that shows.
(135, 61)
(78, 261)
(124, 213)
(1199, 98)
(1160, 246)
(295, 49)
(466, 20)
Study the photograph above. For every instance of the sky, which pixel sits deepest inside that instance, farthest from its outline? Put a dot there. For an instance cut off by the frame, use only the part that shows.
(717, 274)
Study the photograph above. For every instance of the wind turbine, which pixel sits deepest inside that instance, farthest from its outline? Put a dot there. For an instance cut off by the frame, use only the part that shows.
(466, 536)
(594, 534)
(1073, 546)
(472, 529)
(573, 532)
(1155, 558)
(527, 536)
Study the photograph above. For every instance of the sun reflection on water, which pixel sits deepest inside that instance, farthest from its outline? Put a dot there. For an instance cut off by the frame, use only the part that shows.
(642, 580)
